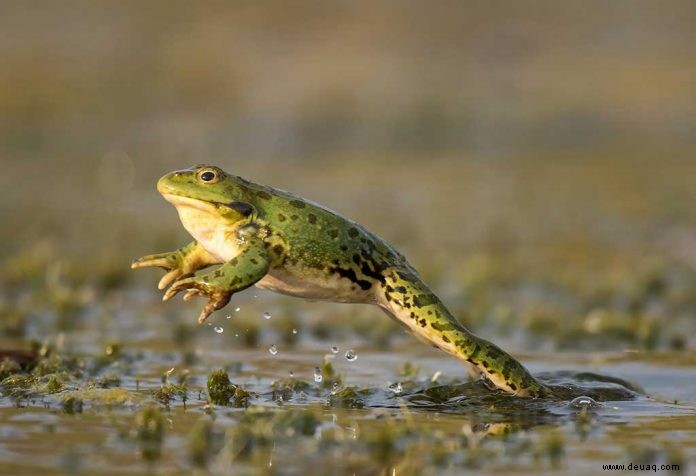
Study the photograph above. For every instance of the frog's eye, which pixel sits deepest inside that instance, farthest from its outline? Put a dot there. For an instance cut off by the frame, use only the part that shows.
(208, 176)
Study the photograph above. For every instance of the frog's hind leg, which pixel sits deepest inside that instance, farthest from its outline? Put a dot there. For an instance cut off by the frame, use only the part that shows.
(407, 299)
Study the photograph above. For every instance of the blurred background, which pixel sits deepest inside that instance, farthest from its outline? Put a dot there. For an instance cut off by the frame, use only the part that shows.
(532, 159)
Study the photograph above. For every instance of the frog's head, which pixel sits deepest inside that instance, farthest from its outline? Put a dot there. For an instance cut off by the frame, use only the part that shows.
(204, 196)
(200, 182)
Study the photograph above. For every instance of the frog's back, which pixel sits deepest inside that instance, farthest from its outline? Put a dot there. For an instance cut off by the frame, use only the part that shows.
(316, 233)
(318, 245)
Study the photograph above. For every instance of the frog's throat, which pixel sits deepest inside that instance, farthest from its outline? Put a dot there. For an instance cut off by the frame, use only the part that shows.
(203, 220)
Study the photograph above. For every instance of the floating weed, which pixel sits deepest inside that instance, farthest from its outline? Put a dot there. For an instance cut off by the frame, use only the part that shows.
(54, 385)
(170, 391)
(204, 442)
(296, 422)
(108, 380)
(286, 388)
(328, 374)
(223, 392)
(259, 429)
(108, 397)
(19, 385)
(8, 367)
(149, 424)
(347, 397)
(72, 405)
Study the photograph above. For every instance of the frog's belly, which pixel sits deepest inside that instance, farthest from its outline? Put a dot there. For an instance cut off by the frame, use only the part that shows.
(315, 285)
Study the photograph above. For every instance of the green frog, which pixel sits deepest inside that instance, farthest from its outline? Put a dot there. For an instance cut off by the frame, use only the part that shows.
(276, 240)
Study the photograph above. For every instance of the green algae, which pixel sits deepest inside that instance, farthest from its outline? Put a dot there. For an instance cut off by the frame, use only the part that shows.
(150, 431)
(223, 392)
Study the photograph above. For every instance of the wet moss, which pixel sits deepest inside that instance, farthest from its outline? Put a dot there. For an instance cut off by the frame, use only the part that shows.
(8, 367)
(54, 385)
(330, 378)
(72, 405)
(288, 387)
(19, 385)
(204, 443)
(348, 397)
(223, 392)
(169, 392)
(149, 424)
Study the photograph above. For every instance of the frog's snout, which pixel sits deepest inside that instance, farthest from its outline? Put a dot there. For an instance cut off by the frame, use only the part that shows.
(163, 184)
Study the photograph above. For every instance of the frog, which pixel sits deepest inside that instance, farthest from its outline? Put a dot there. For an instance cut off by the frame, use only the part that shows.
(276, 240)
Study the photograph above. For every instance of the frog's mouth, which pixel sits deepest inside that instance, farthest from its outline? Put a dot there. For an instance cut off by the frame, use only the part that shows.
(184, 202)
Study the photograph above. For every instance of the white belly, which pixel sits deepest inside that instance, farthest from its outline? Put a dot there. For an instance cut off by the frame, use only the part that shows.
(315, 285)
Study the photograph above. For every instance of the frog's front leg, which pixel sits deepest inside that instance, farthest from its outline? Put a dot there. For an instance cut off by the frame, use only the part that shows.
(181, 263)
(242, 271)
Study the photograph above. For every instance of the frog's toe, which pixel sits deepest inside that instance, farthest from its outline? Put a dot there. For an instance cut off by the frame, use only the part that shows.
(217, 301)
(179, 286)
(151, 261)
(192, 293)
(169, 278)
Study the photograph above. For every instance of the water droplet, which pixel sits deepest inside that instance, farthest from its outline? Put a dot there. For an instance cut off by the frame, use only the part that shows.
(219, 329)
(335, 388)
(266, 315)
(228, 317)
(273, 349)
(334, 350)
(583, 402)
(237, 309)
(396, 388)
(291, 373)
(294, 331)
(318, 377)
(236, 335)
(351, 355)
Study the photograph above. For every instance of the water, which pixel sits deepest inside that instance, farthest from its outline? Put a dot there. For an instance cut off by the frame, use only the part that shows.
(318, 377)
(613, 432)
(266, 315)
(583, 402)
(338, 412)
